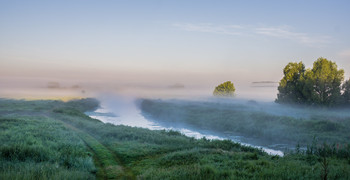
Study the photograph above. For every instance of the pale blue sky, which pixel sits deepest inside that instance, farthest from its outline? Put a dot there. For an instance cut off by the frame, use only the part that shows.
(170, 41)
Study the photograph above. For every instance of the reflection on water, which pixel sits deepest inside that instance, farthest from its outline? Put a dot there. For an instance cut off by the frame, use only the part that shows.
(132, 117)
(123, 111)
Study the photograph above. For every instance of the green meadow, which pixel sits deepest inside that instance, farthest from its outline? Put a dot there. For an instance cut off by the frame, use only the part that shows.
(266, 123)
(47, 139)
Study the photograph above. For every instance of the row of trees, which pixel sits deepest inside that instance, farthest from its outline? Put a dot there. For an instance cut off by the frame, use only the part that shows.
(321, 85)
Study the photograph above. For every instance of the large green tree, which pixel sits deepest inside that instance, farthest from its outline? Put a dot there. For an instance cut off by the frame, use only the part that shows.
(291, 85)
(225, 89)
(326, 82)
(320, 85)
(308, 87)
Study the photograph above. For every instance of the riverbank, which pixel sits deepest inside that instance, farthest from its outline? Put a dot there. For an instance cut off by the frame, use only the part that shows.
(264, 124)
(56, 140)
(127, 111)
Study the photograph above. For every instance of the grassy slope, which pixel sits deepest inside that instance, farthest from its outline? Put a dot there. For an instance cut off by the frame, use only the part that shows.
(36, 146)
(256, 124)
(55, 140)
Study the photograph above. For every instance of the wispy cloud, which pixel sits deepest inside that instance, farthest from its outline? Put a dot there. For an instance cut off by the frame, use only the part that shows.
(285, 33)
(281, 32)
(210, 28)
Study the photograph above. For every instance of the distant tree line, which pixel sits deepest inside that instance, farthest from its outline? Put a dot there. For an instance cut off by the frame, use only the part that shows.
(322, 85)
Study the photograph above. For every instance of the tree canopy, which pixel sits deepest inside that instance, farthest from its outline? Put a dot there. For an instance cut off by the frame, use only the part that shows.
(326, 81)
(225, 89)
(321, 85)
(291, 84)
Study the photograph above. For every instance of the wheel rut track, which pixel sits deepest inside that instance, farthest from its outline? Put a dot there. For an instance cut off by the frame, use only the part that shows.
(106, 161)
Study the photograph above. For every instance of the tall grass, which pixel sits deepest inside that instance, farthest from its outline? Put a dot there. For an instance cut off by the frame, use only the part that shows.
(35, 146)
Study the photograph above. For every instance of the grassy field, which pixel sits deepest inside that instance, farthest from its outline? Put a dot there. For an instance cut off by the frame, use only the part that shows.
(267, 125)
(56, 140)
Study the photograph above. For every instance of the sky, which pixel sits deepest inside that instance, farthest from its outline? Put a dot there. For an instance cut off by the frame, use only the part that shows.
(193, 42)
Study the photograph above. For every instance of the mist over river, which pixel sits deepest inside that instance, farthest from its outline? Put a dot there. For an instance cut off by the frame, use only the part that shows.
(124, 110)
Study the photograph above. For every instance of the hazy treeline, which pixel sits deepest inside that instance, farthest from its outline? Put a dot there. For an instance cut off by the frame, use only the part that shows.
(322, 85)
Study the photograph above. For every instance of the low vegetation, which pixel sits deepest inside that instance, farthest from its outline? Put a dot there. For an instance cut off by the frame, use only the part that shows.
(254, 121)
(56, 140)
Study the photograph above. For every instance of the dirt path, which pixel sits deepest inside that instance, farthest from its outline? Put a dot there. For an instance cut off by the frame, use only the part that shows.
(111, 166)
(108, 164)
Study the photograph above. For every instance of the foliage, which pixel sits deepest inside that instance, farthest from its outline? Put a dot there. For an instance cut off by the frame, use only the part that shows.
(225, 89)
(291, 84)
(319, 86)
(327, 80)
